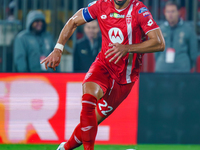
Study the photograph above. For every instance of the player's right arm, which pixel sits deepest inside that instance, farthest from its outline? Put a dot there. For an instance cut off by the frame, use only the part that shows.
(53, 60)
(71, 26)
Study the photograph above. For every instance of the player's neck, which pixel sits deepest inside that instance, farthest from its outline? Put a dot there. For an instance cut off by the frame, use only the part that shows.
(122, 7)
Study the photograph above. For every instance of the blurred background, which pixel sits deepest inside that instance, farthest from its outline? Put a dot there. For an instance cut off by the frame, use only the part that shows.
(13, 15)
(163, 107)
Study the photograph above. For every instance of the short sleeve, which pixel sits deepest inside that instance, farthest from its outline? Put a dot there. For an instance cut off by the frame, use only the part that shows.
(145, 19)
(90, 12)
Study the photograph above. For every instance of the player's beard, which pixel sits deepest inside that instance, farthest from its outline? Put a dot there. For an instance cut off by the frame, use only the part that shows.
(120, 3)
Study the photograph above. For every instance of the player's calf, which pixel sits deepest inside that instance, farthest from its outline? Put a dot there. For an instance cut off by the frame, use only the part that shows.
(75, 139)
(88, 121)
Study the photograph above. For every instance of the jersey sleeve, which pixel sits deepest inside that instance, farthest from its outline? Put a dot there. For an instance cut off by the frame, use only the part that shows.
(90, 12)
(145, 19)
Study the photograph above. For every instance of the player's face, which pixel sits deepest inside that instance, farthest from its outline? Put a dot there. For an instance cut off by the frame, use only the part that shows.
(91, 29)
(171, 14)
(37, 26)
(120, 2)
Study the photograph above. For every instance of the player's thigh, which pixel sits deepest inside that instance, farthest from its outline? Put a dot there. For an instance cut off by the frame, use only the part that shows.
(97, 80)
(112, 99)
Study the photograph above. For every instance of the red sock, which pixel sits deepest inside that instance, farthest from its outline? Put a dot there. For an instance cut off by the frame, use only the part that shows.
(75, 139)
(88, 121)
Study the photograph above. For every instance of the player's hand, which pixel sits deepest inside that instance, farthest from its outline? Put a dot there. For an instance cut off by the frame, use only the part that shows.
(53, 60)
(117, 51)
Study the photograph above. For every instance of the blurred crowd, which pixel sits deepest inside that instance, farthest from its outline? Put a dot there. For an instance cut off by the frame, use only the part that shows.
(22, 47)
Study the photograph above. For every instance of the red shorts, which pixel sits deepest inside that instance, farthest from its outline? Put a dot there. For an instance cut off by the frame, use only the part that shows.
(114, 93)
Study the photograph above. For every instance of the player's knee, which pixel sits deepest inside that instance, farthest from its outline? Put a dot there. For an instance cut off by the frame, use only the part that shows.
(92, 89)
(88, 107)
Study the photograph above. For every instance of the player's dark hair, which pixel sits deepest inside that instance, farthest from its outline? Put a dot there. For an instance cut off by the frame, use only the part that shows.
(172, 3)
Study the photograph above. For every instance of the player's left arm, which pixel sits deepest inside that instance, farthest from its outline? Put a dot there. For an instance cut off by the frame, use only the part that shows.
(156, 43)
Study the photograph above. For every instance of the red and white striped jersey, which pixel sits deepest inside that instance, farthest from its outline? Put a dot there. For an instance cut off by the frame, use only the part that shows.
(126, 26)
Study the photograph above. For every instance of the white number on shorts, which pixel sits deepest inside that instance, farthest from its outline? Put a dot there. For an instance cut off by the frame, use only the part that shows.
(105, 105)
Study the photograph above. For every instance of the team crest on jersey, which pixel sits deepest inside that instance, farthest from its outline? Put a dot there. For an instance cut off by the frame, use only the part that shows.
(143, 9)
(116, 35)
(128, 19)
(92, 3)
(116, 15)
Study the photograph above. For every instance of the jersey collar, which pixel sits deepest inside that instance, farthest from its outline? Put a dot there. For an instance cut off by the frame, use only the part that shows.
(120, 10)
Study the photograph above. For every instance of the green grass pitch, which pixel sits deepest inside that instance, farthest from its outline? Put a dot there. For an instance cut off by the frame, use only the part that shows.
(102, 147)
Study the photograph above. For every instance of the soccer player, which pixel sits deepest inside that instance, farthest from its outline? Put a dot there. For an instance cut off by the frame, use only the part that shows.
(123, 24)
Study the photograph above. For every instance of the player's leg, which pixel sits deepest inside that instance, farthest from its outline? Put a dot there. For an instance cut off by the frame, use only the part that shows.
(113, 98)
(95, 84)
(76, 139)
(105, 106)
(92, 92)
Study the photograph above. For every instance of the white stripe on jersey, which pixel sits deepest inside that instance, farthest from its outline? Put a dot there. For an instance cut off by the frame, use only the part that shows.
(152, 30)
(130, 38)
(112, 86)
